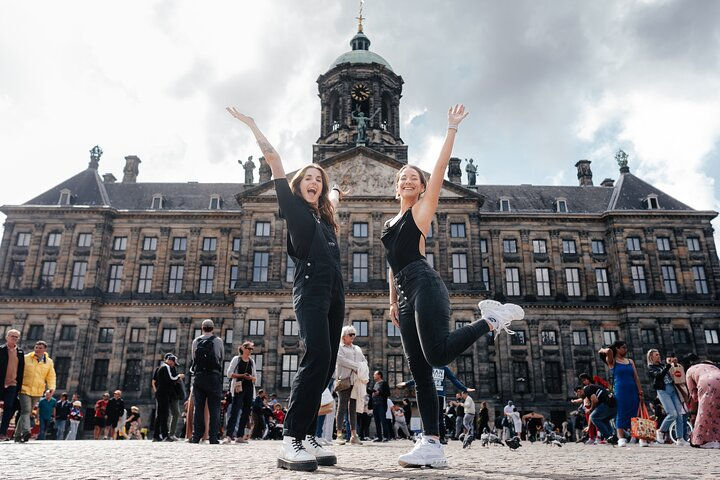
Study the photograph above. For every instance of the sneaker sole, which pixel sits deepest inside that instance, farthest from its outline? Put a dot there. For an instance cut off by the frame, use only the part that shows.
(517, 311)
(435, 464)
(327, 461)
(305, 466)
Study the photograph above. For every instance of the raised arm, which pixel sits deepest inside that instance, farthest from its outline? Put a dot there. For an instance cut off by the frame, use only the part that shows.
(424, 210)
(271, 156)
(336, 193)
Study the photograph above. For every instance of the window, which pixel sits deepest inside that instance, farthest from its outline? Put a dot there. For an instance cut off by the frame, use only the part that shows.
(236, 244)
(262, 229)
(669, 282)
(663, 244)
(580, 337)
(176, 278)
(583, 366)
(539, 246)
(290, 270)
(150, 243)
(260, 266)
(510, 246)
(483, 246)
(119, 244)
(711, 336)
(465, 369)
(553, 377)
(459, 268)
(652, 202)
(233, 277)
(360, 267)
(610, 336)
(207, 275)
(486, 277)
(179, 244)
(258, 359)
(62, 372)
(105, 335)
(257, 327)
(361, 327)
(157, 202)
(693, 244)
(23, 239)
(47, 275)
(169, 335)
(360, 230)
(519, 338)
(114, 278)
(492, 377)
(54, 239)
(67, 333)
(392, 330)
(680, 335)
(209, 244)
(568, 246)
(648, 336)
(638, 278)
(548, 337)
(84, 240)
(512, 281)
(430, 259)
(215, 202)
(145, 278)
(542, 281)
(457, 230)
(601, 280)
(229, 333)
(633, 244)
(520, 377)
(77, 282)
(431, 231)
(289, 369)
(291, 328)
(504, 205)
(572, 281)
(701, 286)
(598, 247)
(16, 274)
(197, 332)
(35, 332)
(100, 373)
(137, 335)
(133, 375)
(395, 372)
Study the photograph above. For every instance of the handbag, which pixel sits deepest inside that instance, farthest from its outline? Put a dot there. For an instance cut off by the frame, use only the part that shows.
(642, 426)
(343, 384)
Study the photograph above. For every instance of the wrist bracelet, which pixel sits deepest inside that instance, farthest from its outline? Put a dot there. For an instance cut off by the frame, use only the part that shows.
(452, 127)
(393, 303)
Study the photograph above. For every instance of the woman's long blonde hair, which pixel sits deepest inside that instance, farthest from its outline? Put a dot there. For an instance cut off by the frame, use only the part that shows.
(325, 208)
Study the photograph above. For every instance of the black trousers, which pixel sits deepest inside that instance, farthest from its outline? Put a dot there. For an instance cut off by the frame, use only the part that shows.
(240, 408)
(425, 331)
(162, 415)
(379, 414)
(207, 388)
(319, 301)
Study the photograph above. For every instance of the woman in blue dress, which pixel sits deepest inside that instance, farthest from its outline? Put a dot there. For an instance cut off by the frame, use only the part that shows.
(626, 387)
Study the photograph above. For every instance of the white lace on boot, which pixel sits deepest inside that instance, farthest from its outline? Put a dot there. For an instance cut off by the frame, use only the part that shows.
(427, 452)
(500, 315)
(293, 456)
(323, 457)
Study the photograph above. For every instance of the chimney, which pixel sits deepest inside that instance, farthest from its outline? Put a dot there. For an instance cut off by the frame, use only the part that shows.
(608, 182)
(130, 172)
(109, 178)
(454, 172)
(264, 171)
(584, 173)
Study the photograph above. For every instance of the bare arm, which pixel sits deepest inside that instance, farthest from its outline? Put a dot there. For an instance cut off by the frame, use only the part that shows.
(637, 380)
(394, 309)
(271, 156)
(424, 210)
(609, 357)
(336, 194)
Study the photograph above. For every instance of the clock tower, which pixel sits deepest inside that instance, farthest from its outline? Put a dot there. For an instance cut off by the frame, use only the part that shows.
(360, 103)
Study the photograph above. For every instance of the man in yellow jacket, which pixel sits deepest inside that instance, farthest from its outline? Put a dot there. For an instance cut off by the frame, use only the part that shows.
(39, 376)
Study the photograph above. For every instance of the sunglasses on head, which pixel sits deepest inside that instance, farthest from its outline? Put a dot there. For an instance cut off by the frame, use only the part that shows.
(351, 334)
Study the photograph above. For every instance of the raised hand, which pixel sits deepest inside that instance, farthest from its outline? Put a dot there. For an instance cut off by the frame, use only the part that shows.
(240, 116)
(456, 115)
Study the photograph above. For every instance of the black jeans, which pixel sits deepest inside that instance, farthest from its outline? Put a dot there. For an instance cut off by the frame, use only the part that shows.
(161, 417)
(425, 330)
(379, 414)
(240, 408)
(319, 301)
(9, 396)
(207, 387)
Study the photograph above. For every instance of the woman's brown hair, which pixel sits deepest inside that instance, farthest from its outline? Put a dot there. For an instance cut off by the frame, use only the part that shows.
(325, 208)
(423, 180)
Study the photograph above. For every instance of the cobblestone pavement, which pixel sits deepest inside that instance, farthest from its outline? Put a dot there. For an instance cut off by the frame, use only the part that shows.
(87, 459)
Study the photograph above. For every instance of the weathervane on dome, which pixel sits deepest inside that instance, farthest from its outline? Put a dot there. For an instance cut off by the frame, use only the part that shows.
(360, 18)
(621, 158)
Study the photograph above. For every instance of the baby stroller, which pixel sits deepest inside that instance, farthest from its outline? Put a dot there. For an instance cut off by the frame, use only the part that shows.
(273, 429)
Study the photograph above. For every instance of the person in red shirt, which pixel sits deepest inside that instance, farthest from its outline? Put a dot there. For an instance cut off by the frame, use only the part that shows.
(101, 416)
(278, 413)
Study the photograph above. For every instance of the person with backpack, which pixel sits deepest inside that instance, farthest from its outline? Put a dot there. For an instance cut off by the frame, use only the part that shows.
(207, 357)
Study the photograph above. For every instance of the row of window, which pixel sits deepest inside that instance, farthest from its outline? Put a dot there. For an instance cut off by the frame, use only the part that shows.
(648, 336)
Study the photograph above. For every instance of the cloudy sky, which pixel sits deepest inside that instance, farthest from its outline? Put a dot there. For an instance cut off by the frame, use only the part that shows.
(547, 83)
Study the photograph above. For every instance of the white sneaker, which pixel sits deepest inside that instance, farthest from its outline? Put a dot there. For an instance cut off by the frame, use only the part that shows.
(681, 442)
(323, 457)
(427, 452)
(499, 315)
(659, 437)
(293, 456)
(622, 442)
(644, 443)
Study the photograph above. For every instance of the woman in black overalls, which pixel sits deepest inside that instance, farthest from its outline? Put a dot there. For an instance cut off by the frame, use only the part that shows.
(308, 206)
(419, 300)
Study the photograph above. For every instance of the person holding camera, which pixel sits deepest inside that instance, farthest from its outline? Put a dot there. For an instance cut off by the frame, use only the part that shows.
(242, 373)
(668, 396)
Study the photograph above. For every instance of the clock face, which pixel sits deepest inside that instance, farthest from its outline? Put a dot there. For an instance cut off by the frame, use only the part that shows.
(360, 92)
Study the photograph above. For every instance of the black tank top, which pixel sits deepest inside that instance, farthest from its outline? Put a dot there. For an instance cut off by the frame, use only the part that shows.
(402, 242)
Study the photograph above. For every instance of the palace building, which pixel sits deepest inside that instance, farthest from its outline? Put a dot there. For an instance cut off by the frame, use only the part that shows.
(113, 274)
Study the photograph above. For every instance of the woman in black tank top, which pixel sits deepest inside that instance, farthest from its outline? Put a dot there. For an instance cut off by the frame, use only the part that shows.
(419, 300)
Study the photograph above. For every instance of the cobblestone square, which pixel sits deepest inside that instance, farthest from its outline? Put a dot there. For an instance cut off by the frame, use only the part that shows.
(86, 459)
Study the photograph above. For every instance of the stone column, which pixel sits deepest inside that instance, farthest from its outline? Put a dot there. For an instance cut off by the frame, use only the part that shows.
(6, 254)
(222, 274)
(63, 272)
(163, 253)
(495, 257)
(566, 353)
(698, 336)
(441, 263)
(52, 333)
(117, 362)
(557, 273)
(536, 363)
(190, 281)
(377, 332)
(33, 263)
(88, 332)
(131, 270)
(527, 275)
(151, 340)
(596, 342)
(270, 349)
